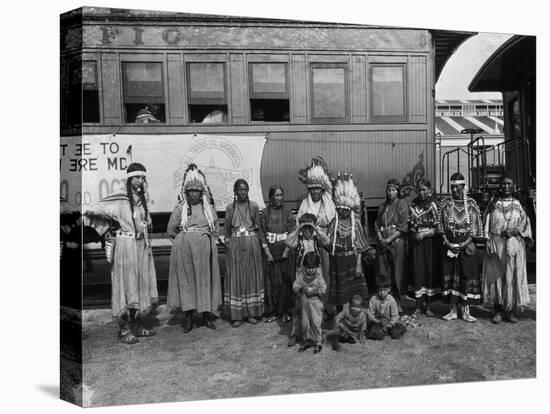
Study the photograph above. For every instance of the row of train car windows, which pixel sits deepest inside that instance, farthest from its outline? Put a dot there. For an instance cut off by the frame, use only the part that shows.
(144, 92)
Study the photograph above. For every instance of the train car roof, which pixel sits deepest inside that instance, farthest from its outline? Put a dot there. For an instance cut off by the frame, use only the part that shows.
(445, 41)
(507, 67)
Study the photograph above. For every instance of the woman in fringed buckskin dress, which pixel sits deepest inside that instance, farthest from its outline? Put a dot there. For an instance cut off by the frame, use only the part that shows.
(508, 230)
(133, 276)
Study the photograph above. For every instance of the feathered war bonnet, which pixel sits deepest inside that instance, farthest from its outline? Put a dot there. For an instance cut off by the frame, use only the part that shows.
(194, 179)
(317, 176)
(345, 192)
(346, 196)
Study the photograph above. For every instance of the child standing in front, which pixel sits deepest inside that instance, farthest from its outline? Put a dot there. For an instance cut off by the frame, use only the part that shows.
(307, 237)
(310, 286)
(383, 315)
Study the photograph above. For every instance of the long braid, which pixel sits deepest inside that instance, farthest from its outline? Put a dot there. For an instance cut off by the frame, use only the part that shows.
(130, 195)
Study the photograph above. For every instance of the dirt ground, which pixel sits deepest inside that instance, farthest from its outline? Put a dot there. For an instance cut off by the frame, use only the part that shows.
(254, 360)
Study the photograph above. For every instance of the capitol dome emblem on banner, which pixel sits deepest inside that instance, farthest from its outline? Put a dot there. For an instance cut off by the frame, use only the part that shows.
(221, 162)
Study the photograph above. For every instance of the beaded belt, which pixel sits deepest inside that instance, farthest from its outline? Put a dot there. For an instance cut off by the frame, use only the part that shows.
(196, 230)
(276, 237)
(121, 233)
(244, 233)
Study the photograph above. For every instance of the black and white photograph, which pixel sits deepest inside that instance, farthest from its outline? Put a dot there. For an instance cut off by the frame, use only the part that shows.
(260, 203)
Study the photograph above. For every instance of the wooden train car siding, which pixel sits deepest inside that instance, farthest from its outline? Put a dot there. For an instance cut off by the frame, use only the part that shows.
(298, 90)
(372, 156)
(418, 82)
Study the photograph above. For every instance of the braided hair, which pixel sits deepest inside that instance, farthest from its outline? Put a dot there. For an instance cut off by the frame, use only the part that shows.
(142, 198)
(270, 195)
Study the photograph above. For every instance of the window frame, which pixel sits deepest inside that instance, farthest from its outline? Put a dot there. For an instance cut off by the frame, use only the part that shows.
(347, 110)
(96, 61)
(389, 119)
(141, 99)
(205, 101)
(267, 95)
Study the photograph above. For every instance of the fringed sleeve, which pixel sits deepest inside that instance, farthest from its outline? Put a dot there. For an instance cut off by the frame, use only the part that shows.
(101, 216)
(524, 225)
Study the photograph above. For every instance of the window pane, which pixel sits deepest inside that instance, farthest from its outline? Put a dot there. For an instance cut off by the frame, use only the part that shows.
(89, 75)
(143, 79)
(268, 78)
(206, 80)
(387, 86)
(329, 93)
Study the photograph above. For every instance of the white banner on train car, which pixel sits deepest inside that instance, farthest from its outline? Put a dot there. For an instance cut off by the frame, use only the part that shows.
(94, 166)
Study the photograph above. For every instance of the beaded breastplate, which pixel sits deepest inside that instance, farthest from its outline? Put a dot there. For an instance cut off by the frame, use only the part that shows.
(458, 216)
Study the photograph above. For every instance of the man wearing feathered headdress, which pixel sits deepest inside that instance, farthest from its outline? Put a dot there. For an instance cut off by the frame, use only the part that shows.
(319, 199)
(347, 243)
(194, 280)
(319, 203)
(133, 276)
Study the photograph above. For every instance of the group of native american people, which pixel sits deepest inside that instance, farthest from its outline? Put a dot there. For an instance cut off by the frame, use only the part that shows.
(307, 268)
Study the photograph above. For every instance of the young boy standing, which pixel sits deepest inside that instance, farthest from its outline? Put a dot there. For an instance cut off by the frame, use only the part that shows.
(310, 286)
(383, 314)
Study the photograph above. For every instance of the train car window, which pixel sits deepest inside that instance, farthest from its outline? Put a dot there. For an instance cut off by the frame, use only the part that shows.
(143, 92)
(388, 100)
(90, 92)
(269, 92)
(206, 92)
(329, 93)
(74, 93)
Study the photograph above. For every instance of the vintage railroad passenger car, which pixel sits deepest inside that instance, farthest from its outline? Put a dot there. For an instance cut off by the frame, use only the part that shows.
(243, 97)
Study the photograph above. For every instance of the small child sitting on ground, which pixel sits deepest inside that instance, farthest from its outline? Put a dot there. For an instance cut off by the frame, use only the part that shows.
(350, 324)
(383, 316)
(310, 286)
